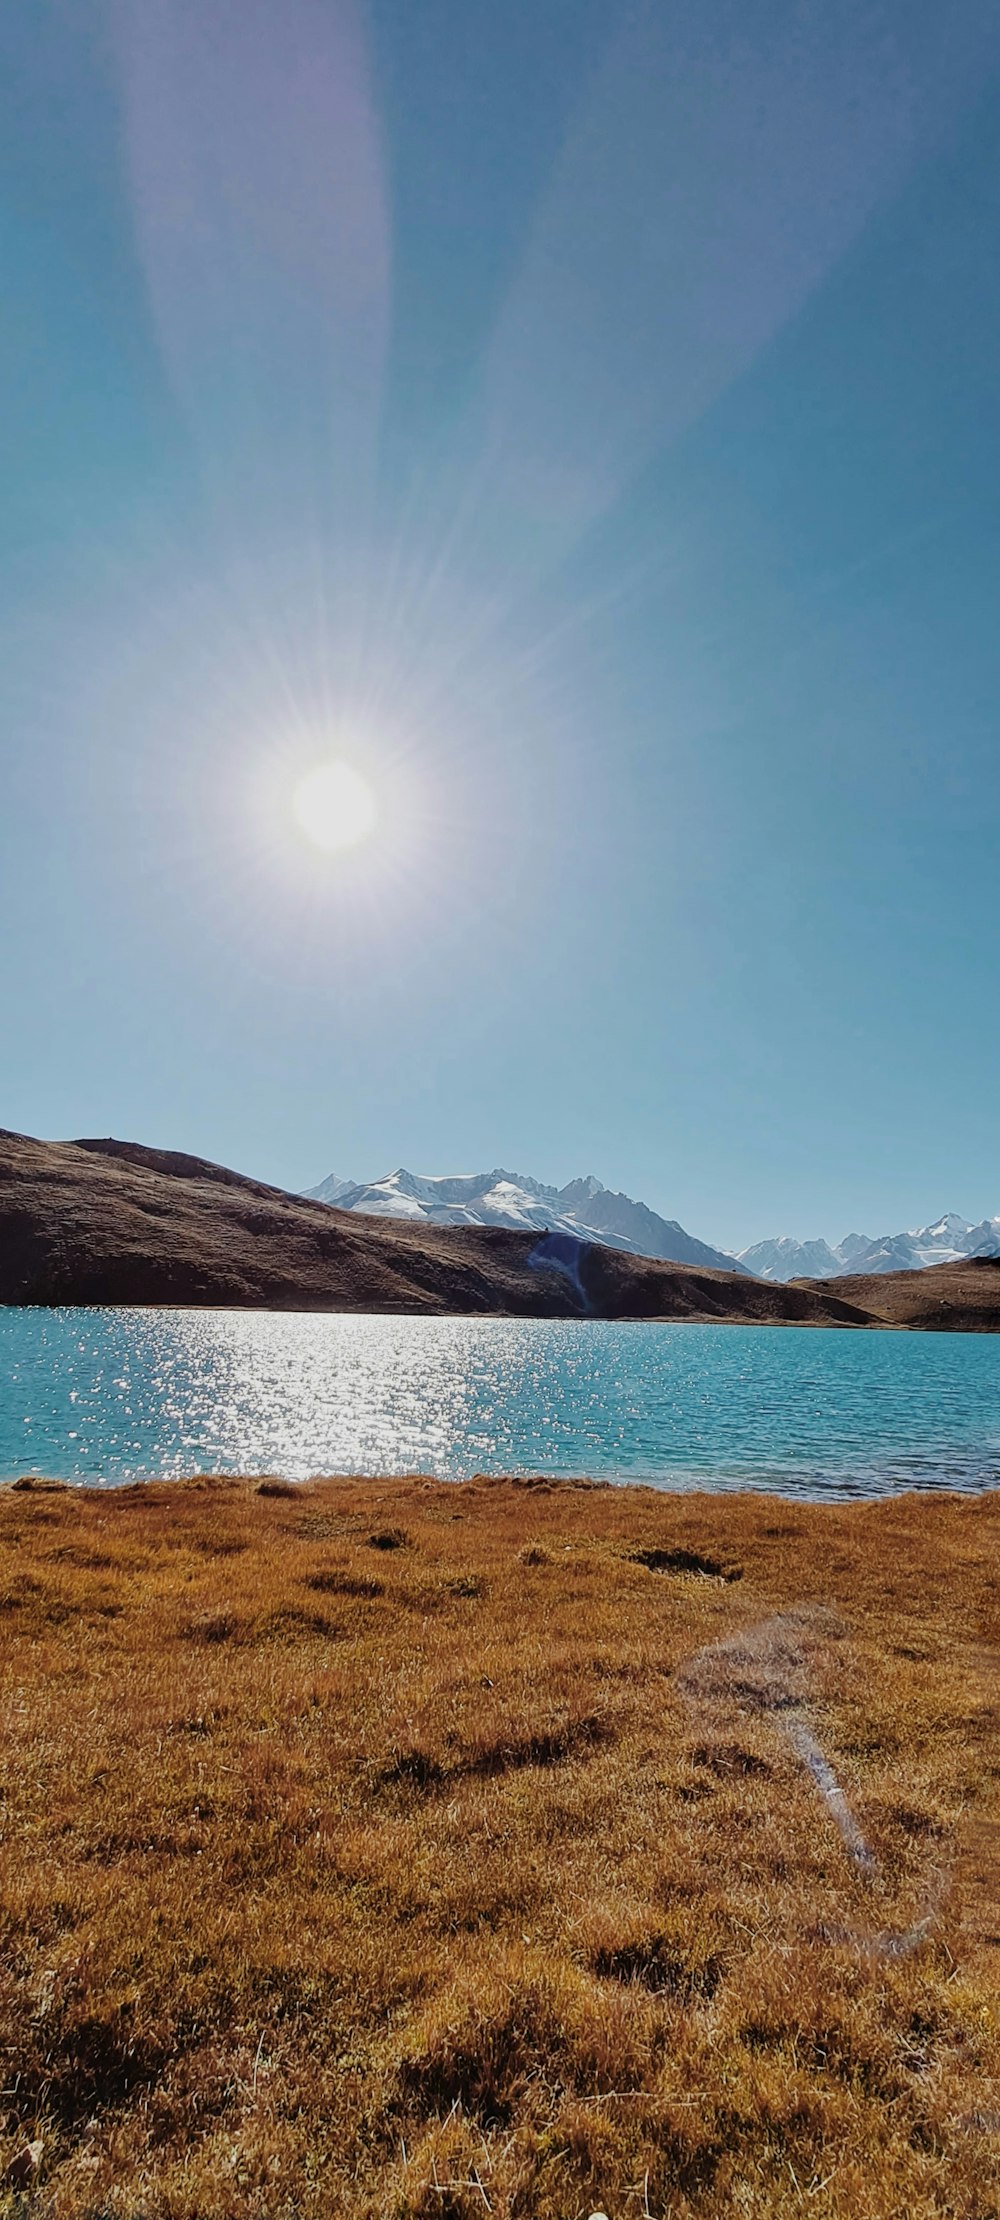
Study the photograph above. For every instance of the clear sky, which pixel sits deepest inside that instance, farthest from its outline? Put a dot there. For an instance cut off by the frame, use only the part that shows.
(583, 419)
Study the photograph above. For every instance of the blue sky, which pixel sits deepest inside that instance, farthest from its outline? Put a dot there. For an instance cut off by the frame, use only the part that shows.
(584, 419)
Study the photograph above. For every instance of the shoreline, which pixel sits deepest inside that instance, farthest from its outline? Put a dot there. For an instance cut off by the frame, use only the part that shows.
(700, 1493)
(869, 1323)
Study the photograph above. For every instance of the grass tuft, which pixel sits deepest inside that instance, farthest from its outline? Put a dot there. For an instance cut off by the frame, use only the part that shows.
(685, 1561)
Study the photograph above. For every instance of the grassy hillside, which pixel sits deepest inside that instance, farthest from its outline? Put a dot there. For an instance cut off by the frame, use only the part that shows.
(112, 1222)
(944, 1298)
(401, 1849)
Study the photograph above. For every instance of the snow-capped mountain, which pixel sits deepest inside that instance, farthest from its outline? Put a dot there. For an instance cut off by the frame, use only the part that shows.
(785, 1259)
(331, 1188)
(983, 1239)
(584, 1209)
(593, 1212)
(944, 1242)
(617, 1219)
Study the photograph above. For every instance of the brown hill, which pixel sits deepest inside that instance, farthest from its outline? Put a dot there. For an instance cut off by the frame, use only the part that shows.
(113, 1222)
(944, 1298)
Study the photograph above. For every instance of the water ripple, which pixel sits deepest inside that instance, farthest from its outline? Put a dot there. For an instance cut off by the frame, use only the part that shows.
(117, 1394)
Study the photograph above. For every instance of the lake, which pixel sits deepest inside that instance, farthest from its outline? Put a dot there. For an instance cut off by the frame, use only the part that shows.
(109, 1395)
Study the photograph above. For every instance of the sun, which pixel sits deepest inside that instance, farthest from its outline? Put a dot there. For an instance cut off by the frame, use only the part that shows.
(334, 807)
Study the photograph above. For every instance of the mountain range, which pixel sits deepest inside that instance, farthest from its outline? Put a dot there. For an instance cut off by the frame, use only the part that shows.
(592, 1211)
(945, 1242)
(107, 1221)
(584, 1208)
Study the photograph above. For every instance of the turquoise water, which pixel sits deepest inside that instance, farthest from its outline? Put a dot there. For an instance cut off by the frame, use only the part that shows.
(108, 1395)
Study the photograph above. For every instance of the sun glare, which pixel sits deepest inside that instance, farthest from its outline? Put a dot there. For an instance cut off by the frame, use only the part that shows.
(334, 807)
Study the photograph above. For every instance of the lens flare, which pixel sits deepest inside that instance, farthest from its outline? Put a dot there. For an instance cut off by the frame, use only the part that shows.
(334, 807)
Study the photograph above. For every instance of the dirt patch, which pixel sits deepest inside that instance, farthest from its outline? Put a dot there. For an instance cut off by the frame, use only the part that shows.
(656, 1963)
(685, 1561)
(730, 1761)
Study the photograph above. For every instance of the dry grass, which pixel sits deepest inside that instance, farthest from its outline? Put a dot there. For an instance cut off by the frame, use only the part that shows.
(409, 1850)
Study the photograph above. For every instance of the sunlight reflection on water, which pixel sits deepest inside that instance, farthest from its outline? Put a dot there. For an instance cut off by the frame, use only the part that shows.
(114, 1394)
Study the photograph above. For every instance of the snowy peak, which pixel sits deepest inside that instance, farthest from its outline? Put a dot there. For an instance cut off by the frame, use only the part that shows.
(853, 1244)
(584, 1209)
(948, 1228)
(617, 1219)
(785, 1259)
(330, 1189)
(580, 1192)
(944, 1242)
(496, 1198)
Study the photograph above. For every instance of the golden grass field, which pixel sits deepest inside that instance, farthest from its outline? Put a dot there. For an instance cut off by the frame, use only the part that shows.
(402, 1849)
